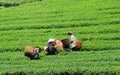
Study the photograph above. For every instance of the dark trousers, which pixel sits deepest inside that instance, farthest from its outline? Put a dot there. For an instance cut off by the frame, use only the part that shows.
(74, 49)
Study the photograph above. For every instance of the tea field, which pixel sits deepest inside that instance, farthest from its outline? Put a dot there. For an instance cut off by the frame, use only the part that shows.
(33, 22)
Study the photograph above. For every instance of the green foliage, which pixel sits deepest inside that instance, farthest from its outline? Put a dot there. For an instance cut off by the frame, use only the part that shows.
(9, 3)
(96, 62)
(95, 22)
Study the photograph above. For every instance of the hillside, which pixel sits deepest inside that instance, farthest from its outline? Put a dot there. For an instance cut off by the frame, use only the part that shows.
(95, 22)
(92, 21)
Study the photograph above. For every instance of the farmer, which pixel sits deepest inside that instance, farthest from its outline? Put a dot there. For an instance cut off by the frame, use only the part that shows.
(50, 47)
(72, 40)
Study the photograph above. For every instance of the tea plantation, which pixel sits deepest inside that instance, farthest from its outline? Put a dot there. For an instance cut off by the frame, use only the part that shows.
(33, 22)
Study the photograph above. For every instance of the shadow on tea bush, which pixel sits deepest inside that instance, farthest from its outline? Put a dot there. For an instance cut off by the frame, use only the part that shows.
(8, 4)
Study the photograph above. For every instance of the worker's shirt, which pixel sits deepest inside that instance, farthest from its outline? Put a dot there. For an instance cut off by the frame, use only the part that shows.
(73, 40)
